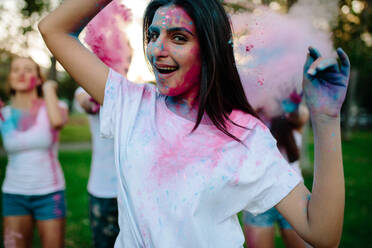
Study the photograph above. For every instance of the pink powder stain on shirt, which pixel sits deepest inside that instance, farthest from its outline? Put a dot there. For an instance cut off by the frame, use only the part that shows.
(28, 119)
(176, 156)
(54, 166)
(52, 156)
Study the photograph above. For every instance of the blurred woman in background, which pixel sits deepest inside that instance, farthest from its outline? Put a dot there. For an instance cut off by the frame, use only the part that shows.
(33, 188)
(287, 130)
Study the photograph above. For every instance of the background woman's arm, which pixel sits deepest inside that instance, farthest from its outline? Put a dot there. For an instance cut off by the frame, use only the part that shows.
(60, 30)
(57, 115)
(86, 102)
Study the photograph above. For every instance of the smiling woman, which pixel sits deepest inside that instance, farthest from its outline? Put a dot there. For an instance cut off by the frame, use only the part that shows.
(190, 153)
(203, 80)
(174, 53)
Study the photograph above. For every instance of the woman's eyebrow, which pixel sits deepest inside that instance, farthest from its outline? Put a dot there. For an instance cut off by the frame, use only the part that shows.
(154, 29)
(177, 29)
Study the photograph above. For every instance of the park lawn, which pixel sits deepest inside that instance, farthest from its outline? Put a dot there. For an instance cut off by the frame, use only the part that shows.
(357, 157)
(76, 129)
(76, 170)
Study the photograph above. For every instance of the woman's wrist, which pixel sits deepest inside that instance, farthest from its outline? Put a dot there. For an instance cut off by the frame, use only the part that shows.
(324, 125)
(323, 119)
(49, 85)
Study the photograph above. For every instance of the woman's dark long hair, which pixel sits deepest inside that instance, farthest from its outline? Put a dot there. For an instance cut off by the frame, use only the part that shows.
(221, 90)
(282, 130)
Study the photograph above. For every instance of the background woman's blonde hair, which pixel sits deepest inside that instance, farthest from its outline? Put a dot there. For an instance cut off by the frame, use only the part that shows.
(40, 76)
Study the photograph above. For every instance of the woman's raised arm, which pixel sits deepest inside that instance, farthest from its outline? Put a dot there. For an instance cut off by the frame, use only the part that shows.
(60, 30)
(318, 217)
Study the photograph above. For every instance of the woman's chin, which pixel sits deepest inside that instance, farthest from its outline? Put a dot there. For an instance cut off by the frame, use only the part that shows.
(166, 91)
(24, 89)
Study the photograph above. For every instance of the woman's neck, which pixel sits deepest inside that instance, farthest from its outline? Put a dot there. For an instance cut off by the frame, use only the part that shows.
(185, 108)
(24, 100)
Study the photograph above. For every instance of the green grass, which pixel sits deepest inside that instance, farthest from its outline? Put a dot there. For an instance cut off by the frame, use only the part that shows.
(357, 156)
(357, 159)
(76, 130)
(76, 170)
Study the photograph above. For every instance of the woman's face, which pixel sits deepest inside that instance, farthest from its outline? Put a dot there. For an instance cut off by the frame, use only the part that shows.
(23, 75)
(174, 52)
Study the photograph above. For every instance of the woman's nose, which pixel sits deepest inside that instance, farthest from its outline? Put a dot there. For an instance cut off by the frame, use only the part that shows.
(160, 48)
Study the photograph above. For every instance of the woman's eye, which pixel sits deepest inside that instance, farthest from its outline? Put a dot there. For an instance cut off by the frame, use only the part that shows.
(179, 38)
(153, 36)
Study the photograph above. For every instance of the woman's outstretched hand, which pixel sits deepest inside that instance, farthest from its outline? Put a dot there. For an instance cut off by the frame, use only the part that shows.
(325, 82)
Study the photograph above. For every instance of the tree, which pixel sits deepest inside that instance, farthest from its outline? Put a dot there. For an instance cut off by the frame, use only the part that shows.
(20, 27)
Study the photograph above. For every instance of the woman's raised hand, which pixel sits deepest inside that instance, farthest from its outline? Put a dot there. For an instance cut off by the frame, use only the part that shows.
(325, 82)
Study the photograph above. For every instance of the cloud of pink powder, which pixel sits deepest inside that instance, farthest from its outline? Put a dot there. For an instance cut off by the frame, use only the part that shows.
(270, 50)
(106, 38)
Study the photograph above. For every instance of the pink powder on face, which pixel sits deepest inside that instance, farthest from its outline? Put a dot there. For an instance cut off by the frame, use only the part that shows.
(164, 51)
(33, 82)
(192, 77)
(106, 38)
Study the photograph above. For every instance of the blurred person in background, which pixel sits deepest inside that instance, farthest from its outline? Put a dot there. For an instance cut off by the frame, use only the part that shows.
(103, 182)
(287, 130)
(33, 190)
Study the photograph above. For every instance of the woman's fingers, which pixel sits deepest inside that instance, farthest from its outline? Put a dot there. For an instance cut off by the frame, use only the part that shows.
(322, 64)
(308, 62)
(314, 53)
(345, 62)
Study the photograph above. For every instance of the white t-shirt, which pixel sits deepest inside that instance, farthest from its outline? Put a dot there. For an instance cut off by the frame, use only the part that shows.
(33, 167)
(102, 179)
(178, 189)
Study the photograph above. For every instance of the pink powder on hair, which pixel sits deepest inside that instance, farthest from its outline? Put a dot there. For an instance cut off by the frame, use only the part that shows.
(106, 38)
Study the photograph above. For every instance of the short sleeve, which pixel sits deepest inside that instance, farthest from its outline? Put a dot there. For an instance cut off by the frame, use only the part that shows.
(63, 105)
(269, 175)
(113, 93)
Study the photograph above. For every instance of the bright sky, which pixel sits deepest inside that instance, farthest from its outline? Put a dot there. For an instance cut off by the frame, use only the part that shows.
(138, 71)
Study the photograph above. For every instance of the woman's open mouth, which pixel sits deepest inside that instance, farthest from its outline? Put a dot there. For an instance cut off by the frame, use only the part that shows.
(165, 69)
